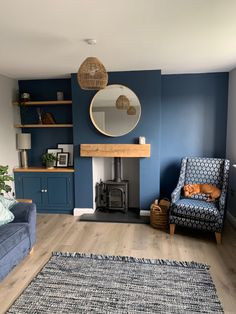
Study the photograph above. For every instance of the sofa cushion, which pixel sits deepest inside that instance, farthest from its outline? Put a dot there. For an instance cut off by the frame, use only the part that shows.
(10, 235)
(196, 209)
(7, 202)
(6, 215)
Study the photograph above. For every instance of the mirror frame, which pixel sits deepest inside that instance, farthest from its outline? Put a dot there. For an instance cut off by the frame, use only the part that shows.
(93, 121)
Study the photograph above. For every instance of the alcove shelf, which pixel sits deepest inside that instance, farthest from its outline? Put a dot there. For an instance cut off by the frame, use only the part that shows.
(43, 103)
(44, 126)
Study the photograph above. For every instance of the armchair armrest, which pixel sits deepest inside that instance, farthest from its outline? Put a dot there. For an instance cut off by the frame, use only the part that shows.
(175, 195)
(222, 203)
(26, 213)
(222, 200)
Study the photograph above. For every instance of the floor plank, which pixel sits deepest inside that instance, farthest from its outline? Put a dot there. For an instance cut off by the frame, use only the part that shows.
(64, 233)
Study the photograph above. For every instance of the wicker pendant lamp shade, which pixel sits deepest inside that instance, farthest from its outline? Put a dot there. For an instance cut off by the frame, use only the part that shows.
(92, 73)
(131, 111)
(122, 102)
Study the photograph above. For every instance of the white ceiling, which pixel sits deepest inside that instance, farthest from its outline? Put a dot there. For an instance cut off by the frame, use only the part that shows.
(44, 38)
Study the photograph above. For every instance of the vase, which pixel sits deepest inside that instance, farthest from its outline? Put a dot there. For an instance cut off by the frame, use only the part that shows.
(49, 164)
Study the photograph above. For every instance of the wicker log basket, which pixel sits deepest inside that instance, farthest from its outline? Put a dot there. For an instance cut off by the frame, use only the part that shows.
(159, 213)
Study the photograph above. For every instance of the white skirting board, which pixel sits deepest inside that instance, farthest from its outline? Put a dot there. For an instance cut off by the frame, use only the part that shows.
(231, 219)
(81, 211)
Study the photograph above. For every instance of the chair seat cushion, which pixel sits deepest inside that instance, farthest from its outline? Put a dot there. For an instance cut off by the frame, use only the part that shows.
(11, 235)
(199, 196)
(196, 209)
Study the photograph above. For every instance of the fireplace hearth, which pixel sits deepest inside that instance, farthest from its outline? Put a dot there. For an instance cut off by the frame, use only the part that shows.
(113, 194)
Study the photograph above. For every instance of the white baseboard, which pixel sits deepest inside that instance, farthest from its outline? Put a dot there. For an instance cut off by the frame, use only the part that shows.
(81, 211)
(144, 213)
(231, 219)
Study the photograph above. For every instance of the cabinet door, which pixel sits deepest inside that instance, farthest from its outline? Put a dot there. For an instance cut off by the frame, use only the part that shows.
(59, 192)
(29, 186)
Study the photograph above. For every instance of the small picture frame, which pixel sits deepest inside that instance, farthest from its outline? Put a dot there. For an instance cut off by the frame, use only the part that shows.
(54, 151)
(62, 159)
(68, 148)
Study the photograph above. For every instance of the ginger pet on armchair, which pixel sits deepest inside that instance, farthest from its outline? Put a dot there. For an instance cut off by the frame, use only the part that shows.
(212, 191)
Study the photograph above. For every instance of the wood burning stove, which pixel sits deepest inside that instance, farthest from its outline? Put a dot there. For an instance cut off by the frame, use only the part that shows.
(117, 195)
(113, 194)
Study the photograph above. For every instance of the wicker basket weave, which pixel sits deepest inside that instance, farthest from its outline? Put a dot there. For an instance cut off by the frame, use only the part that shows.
(92, 74)
(122, 102)
(159, 212)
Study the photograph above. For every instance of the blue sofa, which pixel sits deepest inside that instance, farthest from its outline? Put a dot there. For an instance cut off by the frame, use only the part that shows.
(18, 237)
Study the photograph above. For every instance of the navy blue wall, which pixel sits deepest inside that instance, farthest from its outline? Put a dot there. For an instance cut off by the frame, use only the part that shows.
(194, 120)
(44, 138)
(182, 115)
(45, 89)
(147, 86)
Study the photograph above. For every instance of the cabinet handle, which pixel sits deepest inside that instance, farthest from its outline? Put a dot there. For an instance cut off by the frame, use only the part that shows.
(42, 191)
(45, 191)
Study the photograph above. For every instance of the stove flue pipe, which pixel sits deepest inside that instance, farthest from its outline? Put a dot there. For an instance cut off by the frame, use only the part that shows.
(117, 169)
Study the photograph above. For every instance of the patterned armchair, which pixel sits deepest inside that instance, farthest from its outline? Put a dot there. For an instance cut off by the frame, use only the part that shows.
(196, 212)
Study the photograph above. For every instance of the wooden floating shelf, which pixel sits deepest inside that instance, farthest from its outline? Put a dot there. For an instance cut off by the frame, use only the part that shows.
(43, 103)
(115, 150)
(44, 126)
(43, 169)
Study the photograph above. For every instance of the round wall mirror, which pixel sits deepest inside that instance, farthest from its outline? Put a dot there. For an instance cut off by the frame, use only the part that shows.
(115, 110)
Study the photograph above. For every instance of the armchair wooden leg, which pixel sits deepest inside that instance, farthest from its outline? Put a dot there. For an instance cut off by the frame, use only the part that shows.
(218, 237)
(31, 251)
(172, 229)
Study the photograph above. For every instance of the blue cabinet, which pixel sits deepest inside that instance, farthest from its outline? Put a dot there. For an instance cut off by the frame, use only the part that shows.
(51, 192)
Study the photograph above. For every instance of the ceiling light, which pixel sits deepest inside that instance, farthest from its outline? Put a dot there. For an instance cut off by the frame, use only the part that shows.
(92, 73)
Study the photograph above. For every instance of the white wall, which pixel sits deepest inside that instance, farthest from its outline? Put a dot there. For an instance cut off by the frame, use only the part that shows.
(9, 115)
(102, 170)
(231, 141)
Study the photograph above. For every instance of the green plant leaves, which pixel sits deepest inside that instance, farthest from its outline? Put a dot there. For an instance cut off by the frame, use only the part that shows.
(5, 177)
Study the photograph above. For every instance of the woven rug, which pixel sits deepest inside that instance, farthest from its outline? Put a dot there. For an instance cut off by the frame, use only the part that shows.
(87, 283)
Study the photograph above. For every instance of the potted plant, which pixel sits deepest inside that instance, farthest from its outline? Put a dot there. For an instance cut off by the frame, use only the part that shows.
(49, 160)
(5, 177)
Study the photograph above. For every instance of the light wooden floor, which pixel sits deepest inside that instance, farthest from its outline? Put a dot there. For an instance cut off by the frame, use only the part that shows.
(65, 233)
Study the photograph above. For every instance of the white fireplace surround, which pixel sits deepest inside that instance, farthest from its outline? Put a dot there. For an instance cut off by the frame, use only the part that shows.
(103, 169)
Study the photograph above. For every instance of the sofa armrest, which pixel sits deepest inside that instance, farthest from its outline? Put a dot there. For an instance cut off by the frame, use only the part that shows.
(26, 213)
(23, 212)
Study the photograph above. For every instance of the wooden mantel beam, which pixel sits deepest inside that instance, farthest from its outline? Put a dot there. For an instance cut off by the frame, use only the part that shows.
(115, 150)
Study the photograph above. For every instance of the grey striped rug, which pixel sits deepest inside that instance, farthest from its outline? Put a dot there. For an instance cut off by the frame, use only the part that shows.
(87, 283)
